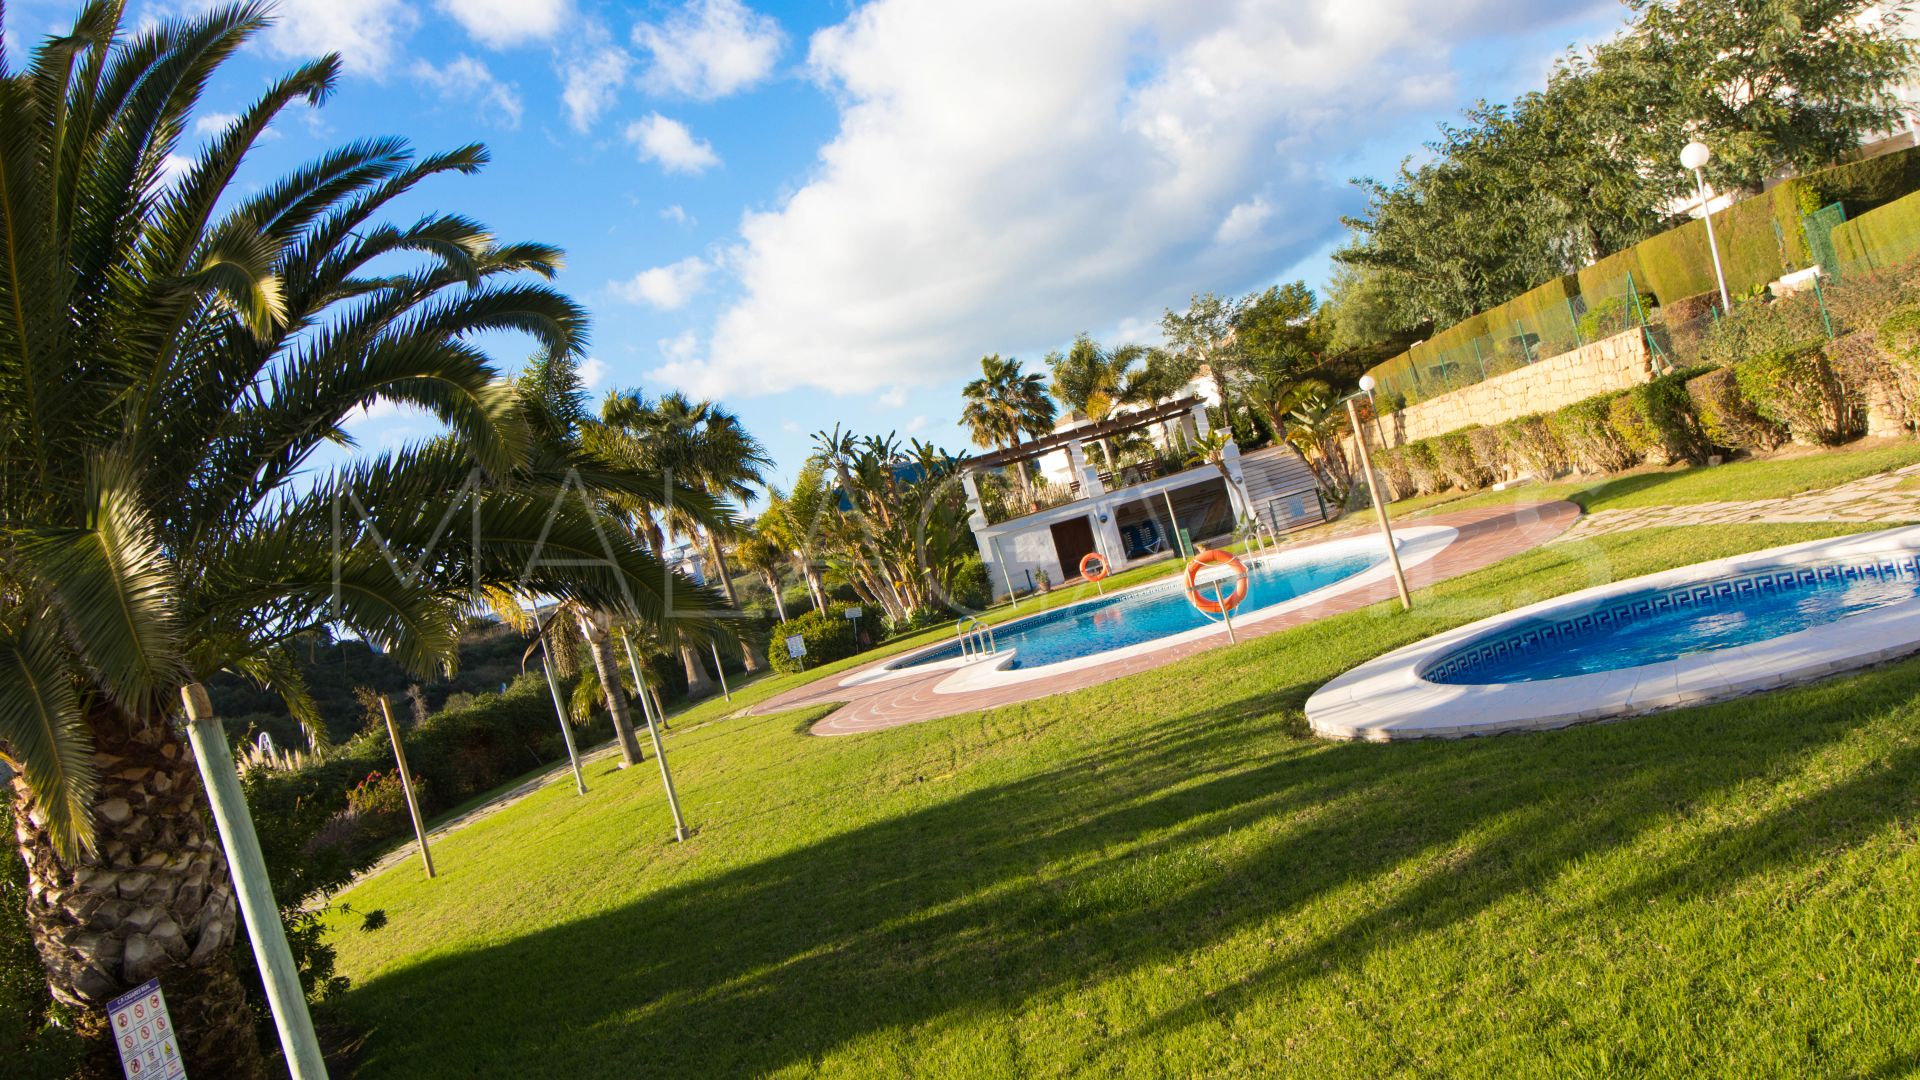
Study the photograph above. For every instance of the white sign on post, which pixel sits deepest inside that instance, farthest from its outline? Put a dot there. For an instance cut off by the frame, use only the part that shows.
(143, 1032)
(796, 646)
(853, 613)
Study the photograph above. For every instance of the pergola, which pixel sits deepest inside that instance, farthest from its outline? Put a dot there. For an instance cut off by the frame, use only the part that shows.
(1163, 412)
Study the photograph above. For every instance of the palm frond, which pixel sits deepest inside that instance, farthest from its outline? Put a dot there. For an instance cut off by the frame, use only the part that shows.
(40, 723)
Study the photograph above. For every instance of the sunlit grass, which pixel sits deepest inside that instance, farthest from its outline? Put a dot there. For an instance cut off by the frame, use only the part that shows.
(1165, 876)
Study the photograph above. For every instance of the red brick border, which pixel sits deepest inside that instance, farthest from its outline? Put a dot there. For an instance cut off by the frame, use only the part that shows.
(1487, 536)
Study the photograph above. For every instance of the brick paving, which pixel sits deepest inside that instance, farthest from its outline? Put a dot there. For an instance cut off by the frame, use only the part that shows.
(1487, 535)
(1888, 497)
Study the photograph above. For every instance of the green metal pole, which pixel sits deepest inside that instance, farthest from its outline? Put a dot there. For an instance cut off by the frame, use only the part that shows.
(659, 749)
(560, 710)
(252, 887)
(721, 669)
(1820, 297)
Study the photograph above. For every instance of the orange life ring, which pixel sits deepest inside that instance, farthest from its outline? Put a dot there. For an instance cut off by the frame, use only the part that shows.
(1226, 603)
(1093, 557)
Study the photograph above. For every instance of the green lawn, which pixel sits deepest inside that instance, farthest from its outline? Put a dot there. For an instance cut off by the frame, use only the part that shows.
(1165, 876)
(1763, 478)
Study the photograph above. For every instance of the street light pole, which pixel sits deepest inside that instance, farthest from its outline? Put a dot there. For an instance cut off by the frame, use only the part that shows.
(1695, 156)
(1373, 489)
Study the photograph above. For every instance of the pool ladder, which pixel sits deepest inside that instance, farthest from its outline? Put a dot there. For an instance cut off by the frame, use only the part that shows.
(976, 639)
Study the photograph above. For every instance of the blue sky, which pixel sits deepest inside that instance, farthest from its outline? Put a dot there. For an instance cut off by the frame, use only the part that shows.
(826, 213)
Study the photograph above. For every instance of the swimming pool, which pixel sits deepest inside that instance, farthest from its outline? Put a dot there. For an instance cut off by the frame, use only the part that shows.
(1130, 618)
(1681, 637)
(1654, 625)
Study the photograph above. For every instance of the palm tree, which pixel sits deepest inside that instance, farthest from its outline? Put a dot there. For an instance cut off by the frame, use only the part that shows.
(760, 553)
(1089, 380)
(1004, 403)
(704, 447)
(172, 354)
(1152, 375)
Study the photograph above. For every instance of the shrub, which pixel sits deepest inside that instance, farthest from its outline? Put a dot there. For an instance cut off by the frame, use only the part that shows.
(1757, 329)
(1800, 391)
(1657, 420)
(1532, 447)
(916, 620)
(1424, 467)
(968, 584)
(1490, 450)
(1874, 380)
(1614, 315)
(1727, 418)
(1453, 455)
(1392, 462)
(1585, 429)
(828, 636)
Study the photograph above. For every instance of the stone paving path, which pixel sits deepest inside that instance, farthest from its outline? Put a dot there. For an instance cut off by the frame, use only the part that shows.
(1487, 535)
(1888, 497)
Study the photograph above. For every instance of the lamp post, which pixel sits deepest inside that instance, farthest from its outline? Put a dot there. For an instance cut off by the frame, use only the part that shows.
(1695, 156)
(1373, 488)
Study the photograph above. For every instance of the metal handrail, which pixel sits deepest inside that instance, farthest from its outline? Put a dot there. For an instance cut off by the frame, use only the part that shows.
(976, 639)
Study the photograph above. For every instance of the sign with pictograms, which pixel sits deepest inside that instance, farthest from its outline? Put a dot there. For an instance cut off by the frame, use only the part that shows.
(796, 646)
(143, 1032)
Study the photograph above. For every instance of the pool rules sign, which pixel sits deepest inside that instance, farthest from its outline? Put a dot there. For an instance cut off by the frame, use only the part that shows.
(144, 1033)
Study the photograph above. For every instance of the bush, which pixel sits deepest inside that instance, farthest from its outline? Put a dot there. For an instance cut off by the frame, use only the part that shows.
(1727, 418)
(917, 620)
(1532, 446)
(969, 585)
(1585, 429)
(1757, 329)
(1799, 391)
(1614, 315)
(1490, 450)
(828, 636)
(1392, 461)
(1424, 467)
(1656, 420)
(1453, 456)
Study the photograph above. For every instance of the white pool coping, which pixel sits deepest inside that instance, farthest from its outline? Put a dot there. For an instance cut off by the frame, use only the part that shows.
(1415, 545)
(1387, 699)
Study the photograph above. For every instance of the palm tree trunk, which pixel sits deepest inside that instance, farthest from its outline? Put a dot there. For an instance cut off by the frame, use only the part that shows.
(720, 568)
(608, 669)
(773, 586)
(154, 901)
(699, 683)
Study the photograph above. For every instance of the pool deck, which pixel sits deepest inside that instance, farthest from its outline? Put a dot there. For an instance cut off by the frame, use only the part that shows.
(1486, 536)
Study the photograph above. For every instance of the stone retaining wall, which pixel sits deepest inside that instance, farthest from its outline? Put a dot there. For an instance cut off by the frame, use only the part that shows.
(1613, 364)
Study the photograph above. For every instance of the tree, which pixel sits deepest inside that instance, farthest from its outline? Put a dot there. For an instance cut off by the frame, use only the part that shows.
(1204, 335)
(1005, 403)
(172, 354)
(759, 553)
(1089, 380)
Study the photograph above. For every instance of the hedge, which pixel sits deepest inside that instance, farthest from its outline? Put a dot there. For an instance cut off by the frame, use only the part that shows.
(1657, 419)
(1453, 455)
(1862, 186)
(1532, 447)
(828, 636)
(1798, 391)
(1879, 239)
(1727, 418)
(1585, 428)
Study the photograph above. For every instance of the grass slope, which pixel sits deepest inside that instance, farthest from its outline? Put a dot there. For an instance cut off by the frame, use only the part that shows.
(1165, 875)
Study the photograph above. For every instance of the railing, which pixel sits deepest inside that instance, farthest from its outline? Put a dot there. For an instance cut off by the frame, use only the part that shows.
(976, 639)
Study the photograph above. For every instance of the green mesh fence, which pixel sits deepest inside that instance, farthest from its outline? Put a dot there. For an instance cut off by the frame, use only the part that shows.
(1818, 228)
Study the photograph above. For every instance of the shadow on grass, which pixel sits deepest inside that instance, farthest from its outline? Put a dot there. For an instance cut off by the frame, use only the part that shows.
(1121, 857)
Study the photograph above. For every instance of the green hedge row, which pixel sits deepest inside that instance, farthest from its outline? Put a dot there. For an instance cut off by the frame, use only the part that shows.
(829, 636)
(1760, 239)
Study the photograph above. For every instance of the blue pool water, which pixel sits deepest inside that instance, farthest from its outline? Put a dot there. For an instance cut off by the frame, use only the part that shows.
(1658, 625)
(1117, 621)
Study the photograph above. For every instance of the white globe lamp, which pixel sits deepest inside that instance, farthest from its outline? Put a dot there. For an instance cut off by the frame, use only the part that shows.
(1695, 156)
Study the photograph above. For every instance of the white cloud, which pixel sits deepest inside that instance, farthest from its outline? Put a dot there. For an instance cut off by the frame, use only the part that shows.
(993, 191)
(213, 123)
(671, 144)
(681, 348)
(591, 371)
(1243, 221)
(665, 287)
(679, 216)
(914, 426)
(709, 49)
(499, 23)
(893, 398)
(467, 81)
(592, 76)
(367, 34)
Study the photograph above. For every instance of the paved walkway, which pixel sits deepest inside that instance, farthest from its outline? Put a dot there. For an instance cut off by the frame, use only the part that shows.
(1487, 535)
(1889, 497)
